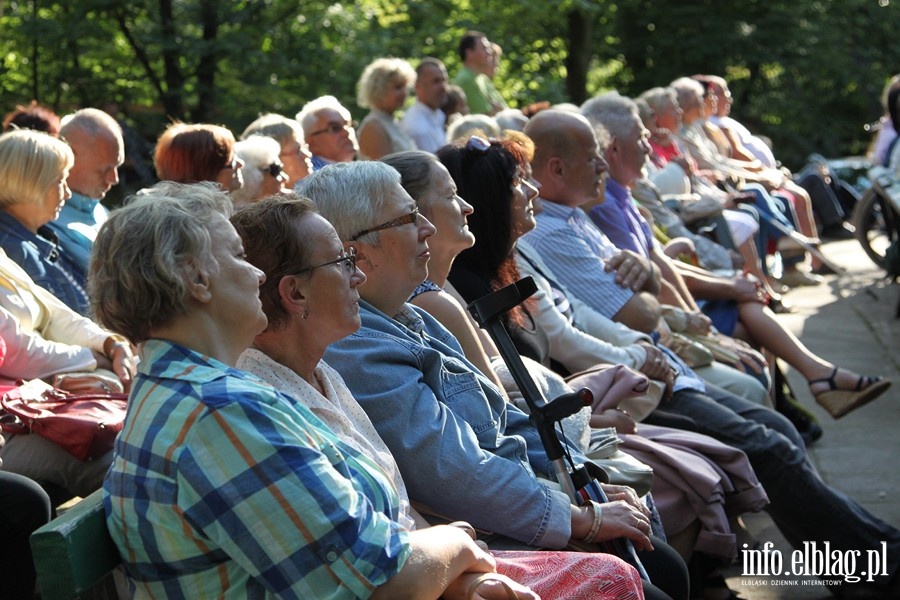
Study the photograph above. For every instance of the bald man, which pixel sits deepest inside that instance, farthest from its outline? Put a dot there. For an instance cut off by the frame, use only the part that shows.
(96, 141)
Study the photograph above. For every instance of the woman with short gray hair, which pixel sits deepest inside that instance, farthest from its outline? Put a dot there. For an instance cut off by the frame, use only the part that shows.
(264, 172)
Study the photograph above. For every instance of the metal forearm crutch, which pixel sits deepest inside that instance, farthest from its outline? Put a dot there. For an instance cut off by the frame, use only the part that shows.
(574, 479)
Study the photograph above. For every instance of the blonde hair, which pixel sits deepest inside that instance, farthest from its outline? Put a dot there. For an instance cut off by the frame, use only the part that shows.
(30, 163)
(278, 127)
(375, 79)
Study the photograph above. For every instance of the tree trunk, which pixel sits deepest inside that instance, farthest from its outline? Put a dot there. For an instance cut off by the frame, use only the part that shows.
(579, 56)
(206, 68)
(172, 100)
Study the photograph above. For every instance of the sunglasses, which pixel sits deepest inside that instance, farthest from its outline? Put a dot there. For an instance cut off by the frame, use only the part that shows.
(275, 169)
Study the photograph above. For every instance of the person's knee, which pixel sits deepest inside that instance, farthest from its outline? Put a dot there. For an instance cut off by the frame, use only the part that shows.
(667, 571)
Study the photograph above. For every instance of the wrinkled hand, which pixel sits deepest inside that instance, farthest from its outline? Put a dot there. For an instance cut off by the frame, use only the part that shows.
(632, 270)
(698, 323)
(119, 357)
(614, 417)
(621, 519)
(656, 365)
(750, 359)
(489, 590)
(625, 494)
(747, 290)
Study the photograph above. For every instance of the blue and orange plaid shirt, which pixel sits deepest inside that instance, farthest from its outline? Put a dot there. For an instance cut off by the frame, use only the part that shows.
(223, 487)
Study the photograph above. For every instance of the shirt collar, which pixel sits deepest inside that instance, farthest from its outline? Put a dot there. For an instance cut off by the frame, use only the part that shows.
(560, 211)
(617, 191)
(167, 360)
(410, 319)
(434, 112)
(81, 202)
(406, 317)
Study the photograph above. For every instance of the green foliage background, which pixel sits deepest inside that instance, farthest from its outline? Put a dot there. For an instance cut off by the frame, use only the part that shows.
(806, 73)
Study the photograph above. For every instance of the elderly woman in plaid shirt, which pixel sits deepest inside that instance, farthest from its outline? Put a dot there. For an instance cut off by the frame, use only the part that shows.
(223, 487)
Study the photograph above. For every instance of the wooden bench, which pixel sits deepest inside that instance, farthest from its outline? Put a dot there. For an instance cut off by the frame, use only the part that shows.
(74, 554)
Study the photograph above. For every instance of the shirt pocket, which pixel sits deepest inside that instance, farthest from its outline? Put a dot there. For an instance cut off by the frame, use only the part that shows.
(463, 394)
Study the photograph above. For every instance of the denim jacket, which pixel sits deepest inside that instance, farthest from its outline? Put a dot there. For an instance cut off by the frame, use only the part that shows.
(462, 450)
(40, 257)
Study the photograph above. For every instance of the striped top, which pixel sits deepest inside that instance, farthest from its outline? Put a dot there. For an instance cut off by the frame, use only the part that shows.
(576, 251)
(223, 487)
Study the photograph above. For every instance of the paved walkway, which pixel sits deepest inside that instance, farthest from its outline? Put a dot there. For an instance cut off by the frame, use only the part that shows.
(850, 321)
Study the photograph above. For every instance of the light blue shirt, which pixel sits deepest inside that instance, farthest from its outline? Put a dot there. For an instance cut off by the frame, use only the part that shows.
(76, 227)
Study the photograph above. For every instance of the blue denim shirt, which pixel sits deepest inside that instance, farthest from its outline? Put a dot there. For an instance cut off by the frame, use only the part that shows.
(462, 450)
(40, 257)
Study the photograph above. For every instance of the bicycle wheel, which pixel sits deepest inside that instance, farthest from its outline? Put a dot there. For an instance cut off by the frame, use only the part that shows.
(876, 225)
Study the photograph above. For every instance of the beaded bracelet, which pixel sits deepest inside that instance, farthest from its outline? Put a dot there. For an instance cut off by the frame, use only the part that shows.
(597, 511)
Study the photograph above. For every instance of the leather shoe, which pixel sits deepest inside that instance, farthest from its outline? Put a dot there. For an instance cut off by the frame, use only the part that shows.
(823, 269)
(838, 231)
(797, 278)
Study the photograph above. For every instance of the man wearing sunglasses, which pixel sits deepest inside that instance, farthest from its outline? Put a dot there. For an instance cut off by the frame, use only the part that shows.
(329, 131)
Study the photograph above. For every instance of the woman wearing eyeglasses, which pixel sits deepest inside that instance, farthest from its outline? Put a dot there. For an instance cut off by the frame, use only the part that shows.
(263, 172)
(221, 485)
(295, 154)
(193, 153)
(383, 87)
(311, 299)
(463, 451)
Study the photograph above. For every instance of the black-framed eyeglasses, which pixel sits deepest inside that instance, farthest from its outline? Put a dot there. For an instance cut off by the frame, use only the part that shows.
(412, 217)
(347, 260)
(333, 128)
(275, 169)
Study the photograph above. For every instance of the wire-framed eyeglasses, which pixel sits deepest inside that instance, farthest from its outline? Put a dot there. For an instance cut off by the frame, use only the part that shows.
(412, 217)
(333, 128)
(347, 260)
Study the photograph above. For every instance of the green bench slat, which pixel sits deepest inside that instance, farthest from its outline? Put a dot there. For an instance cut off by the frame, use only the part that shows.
(74, 552)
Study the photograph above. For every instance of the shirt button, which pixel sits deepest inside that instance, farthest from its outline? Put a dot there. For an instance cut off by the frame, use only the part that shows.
(332, 554)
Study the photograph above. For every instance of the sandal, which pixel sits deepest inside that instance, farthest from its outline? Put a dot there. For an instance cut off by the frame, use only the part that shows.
(839, 402)
(780, 307)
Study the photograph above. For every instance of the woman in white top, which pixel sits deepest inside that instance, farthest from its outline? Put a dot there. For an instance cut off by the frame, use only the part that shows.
(44, 337)
(382, 88)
